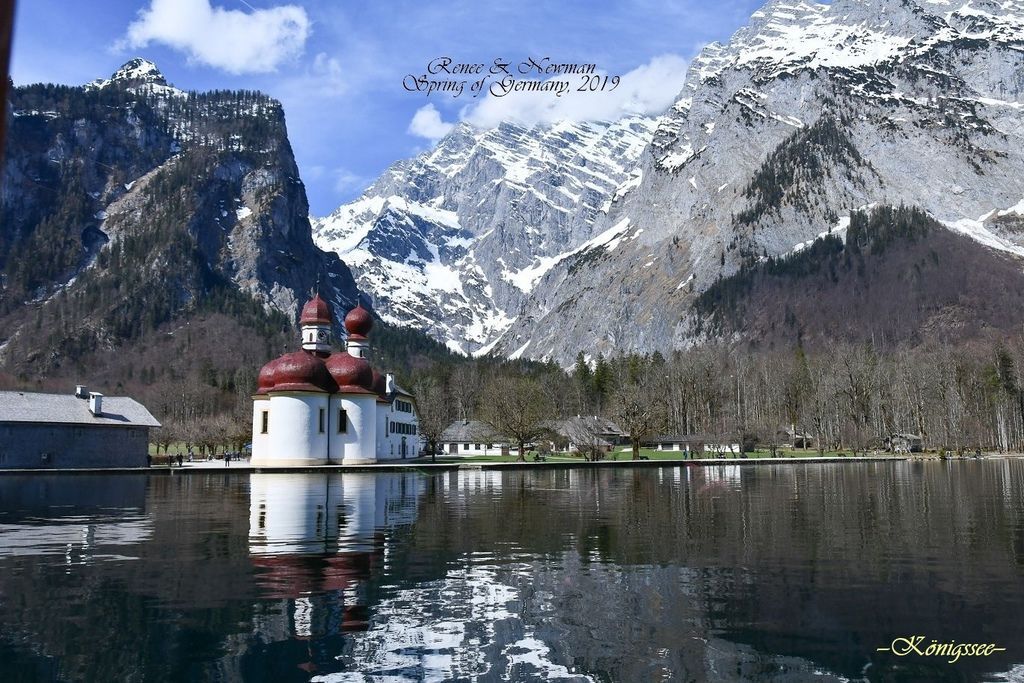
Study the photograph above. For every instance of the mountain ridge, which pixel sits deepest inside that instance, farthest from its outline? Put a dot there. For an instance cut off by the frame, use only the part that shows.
(861, 103)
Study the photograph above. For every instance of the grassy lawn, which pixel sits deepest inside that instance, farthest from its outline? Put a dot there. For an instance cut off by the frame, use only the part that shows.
(499, 458)
(621, 454)
(625, 453)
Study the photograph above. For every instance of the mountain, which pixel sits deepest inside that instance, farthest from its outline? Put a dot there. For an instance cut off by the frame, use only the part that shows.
(134, 214)
(896, 275)
(454, 240)
(806, 115)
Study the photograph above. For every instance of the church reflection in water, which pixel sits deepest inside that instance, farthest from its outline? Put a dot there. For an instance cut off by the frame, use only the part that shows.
(316, 541)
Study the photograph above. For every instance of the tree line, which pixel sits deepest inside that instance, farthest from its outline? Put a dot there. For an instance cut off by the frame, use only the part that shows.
(846, 397)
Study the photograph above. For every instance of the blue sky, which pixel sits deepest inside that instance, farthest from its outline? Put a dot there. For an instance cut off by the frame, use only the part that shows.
(338, 66)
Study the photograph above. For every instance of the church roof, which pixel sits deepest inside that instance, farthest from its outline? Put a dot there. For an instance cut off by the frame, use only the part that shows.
(358, 322)
(315, 312)
(28, 406)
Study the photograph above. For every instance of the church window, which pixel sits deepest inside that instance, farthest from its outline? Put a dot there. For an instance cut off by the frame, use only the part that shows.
(342, 421)
(265, 422)
(321, 420)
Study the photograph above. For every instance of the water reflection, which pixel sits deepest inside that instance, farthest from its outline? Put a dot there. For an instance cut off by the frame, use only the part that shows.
(87, 522)
(722, 573)
(317, 539)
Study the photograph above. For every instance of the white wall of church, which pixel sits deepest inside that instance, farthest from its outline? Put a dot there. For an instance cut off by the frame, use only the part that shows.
(389, 436)
(295, 437)
(260, 441)
(357, 444)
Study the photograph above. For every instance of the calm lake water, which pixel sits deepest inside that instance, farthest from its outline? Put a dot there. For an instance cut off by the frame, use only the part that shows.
(777, 573)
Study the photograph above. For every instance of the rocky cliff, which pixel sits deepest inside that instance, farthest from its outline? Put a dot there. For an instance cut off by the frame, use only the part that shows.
(129, 205)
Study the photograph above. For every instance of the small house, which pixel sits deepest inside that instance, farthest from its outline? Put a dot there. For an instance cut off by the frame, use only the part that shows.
(472, 437)
(589, 432)
(904, 443)
(693, 445)
(791, 437)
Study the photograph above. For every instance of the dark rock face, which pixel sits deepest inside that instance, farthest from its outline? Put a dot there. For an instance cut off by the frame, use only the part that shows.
(128, 204)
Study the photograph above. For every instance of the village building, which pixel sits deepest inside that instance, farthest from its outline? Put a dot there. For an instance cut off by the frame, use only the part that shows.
(589, 432)
(791, 437)
(693, 445)
(81, 430)
(472, 437)
(317, 406)
(904, 443)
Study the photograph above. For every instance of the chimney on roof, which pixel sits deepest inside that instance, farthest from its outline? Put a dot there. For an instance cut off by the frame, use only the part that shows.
(81, 391)
(389, 383)
(95, 403)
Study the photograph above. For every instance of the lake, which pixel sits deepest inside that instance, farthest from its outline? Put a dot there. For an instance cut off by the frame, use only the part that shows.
(731, 573)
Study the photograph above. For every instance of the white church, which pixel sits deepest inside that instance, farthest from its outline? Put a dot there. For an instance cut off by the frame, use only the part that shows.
(318, 407)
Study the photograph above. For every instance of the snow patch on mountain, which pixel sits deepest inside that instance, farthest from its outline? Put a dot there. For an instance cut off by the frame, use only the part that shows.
(453, 240)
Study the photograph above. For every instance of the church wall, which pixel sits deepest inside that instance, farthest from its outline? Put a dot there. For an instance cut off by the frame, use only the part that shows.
(294, 434)
(390, 439)
(260, 441)
(357, 444)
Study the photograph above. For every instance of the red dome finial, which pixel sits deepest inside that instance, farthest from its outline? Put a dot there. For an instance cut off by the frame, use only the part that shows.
(315, 312)
(358, 322)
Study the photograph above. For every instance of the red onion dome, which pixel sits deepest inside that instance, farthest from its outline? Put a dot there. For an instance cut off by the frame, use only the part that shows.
(358, 322)
(267, 377)
(351, 374)
(315, 312)
(301, 371)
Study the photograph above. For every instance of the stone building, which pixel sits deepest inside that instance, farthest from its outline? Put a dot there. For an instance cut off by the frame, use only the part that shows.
(84, 429)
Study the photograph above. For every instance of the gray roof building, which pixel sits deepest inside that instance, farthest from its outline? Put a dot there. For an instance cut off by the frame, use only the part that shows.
(471, 431)
(72, 431)
(27, 406)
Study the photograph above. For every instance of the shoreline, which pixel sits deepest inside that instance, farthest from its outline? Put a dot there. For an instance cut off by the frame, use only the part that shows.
(427, 466)
(209, 467)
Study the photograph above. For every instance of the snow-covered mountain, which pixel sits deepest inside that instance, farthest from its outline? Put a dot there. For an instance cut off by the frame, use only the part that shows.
(808, 113)
(454, 240)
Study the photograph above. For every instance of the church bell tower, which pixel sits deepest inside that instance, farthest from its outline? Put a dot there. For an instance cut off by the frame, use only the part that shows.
(316, 326)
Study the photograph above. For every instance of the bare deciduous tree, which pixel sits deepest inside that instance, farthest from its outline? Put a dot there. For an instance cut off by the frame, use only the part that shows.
(640, 410)
(433, 410)
(517, 408)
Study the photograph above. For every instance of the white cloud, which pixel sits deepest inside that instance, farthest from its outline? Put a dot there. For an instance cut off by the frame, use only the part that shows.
(648, 89)
(427, 123)
(346, 181)
(237, 42)
(326, 75)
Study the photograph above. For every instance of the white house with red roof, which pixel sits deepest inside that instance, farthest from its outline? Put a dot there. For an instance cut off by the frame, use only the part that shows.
(317, 406)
